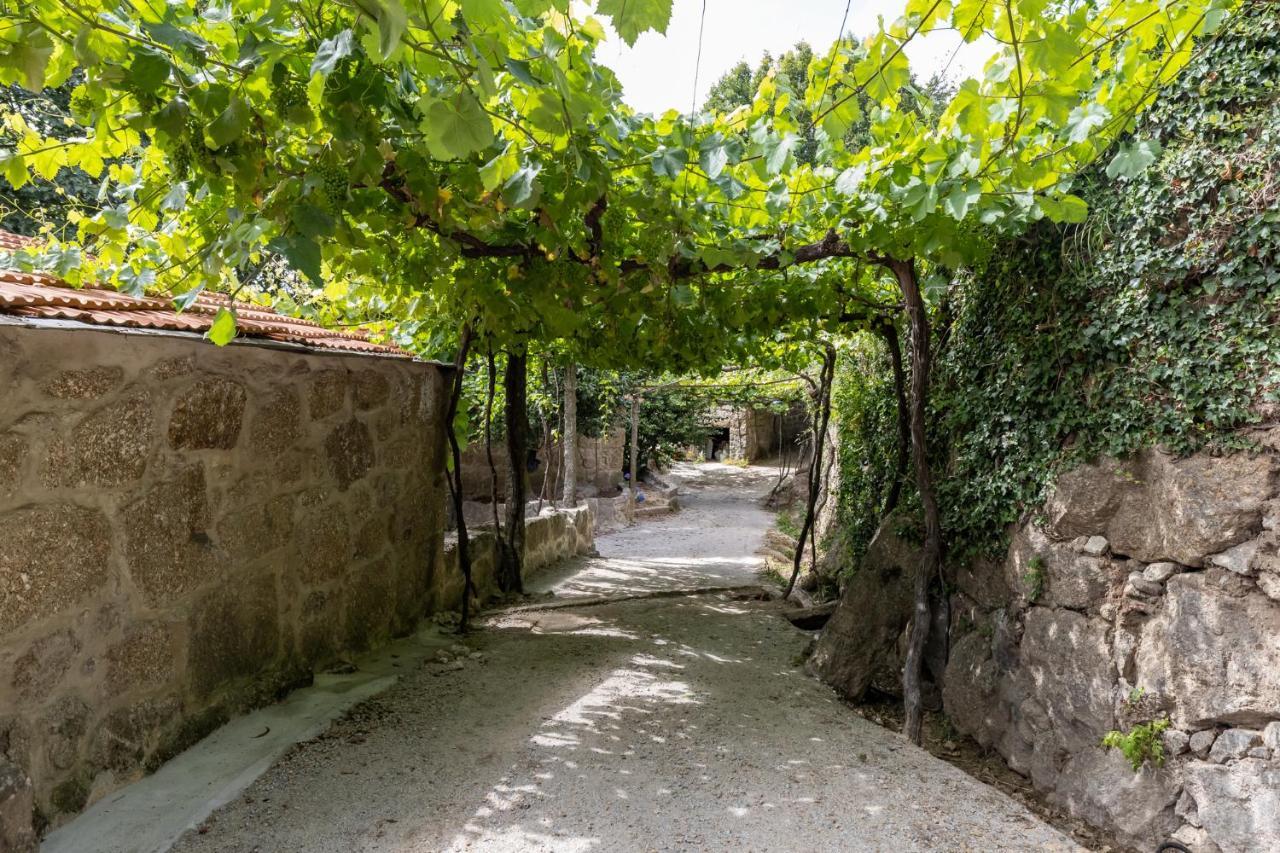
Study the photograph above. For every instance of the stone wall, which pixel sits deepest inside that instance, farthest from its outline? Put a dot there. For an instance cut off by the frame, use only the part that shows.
(1147, 590)
(600, 463)
(189, 531)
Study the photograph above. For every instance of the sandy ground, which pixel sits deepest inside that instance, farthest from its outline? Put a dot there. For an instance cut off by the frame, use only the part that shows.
(680, 723)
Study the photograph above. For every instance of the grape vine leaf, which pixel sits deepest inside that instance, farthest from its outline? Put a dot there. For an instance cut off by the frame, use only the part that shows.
(633, 17)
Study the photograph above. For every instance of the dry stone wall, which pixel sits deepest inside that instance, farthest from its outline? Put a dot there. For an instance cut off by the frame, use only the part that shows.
(189, 531)
(1148, 589)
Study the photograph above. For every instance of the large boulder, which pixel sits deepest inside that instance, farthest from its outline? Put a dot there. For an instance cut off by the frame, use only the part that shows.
(1237, 804)
(1058, 574)
(1100, 786)
(970, 693)
(1158, 507)
(16, 833)
(1065, 663)
(1212, 651)
(874, 609)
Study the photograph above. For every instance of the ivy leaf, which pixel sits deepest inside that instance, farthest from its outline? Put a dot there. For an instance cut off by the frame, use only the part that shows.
(331, 52)
(1132, 160)
(633, 17)
(669, 162)
(457, 126)
(223, 330)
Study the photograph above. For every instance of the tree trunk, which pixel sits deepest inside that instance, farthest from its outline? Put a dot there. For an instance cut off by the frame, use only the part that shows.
(454, 478)
(488, 445)
(570, 439)
(821, 416)
(931, 552)
(889, 332)
(515, 384)
(635, 455)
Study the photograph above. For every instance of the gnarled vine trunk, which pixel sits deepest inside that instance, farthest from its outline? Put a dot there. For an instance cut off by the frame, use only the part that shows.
(454, 476)
(515, 383)
(570, 464)
(889, 332)
(931, 551)
(821, 417)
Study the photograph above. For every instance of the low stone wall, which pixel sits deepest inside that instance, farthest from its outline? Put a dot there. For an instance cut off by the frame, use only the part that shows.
(552, 536)
(190, 531)
(1148, 590)
(600, 462)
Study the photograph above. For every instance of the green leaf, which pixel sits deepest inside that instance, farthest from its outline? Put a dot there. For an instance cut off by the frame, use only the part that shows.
(30, 55)
(713, 161)
(668, 162)
(521, 188)
(1064, 208)
(15, 169)
(1133, 160)
(223, 330)
(331, 52)
(457, 126)
(302, 253)
(850, 180)
(392, 22)
(523, 72)
(1083, 120)
(961, 198)
(633, 17)
(149, 69)
(228, 126)
(312, 222)
(777, 151)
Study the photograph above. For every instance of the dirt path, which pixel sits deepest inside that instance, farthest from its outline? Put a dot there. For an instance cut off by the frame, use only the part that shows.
(668, 724)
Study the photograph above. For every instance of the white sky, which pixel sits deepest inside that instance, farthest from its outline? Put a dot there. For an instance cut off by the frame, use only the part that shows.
(657, 74)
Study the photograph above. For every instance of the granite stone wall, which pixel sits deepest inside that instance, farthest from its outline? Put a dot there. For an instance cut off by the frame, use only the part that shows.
(188, 531)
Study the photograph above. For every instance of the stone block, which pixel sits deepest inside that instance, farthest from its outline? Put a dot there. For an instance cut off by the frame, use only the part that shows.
(108, 447)
(1175, 741)
(168, 548)
(1237, 559)
(87, 383)
(328, 394)
(1066, 577)
(63, 727)
(147, 657)
(1237, 804)
(1233, 744)
(234, 633)
(1211, 648)
(970, 694)
(1202, 741)
(349, 449)
(37, 672)
(371, 389)
(13, 456)
(51, 557)
(1100, 786)
(125, 736)
(250, 531)
(277, 424)
(17, 805)
(1271, 736)
(324, 542)
(1066, 664)
(369, 600)
(1160, 572)
(208, 415)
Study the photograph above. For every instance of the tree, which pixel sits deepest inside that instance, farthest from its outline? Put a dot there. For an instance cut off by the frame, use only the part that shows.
(474, 162)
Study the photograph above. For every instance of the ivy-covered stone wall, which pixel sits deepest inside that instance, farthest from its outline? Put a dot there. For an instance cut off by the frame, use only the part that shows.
(191, 530)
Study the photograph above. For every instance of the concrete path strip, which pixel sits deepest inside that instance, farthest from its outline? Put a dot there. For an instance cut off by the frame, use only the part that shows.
(151, 814)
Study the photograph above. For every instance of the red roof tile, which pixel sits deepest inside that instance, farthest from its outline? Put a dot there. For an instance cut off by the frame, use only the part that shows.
(38, 294)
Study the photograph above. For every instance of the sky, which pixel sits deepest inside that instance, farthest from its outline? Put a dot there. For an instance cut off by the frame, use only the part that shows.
(658, 73)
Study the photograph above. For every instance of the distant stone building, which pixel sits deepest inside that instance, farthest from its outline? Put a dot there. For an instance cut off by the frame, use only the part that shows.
(744, 432)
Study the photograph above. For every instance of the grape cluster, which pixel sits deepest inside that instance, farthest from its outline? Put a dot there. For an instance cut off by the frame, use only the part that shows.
(335, 181)
(289, 95)
(180, 159)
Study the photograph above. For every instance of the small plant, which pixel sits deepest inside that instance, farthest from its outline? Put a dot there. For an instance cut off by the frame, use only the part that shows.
(739, 463)
(1140, 744)
(1135, 697)
(1034, 579)
(787, 524)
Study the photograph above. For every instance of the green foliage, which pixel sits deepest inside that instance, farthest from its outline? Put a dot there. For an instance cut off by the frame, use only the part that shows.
(1034, 579)
(1150, 323)
(864, 409)
(670, 420)
(1139, 745)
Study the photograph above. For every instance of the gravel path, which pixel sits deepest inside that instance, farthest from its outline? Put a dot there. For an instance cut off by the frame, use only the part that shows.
(668, 724)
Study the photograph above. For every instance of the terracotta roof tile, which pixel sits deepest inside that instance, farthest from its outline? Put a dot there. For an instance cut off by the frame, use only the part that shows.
(42, 295)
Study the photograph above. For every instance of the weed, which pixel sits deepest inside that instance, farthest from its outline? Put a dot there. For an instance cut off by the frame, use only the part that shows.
(1140, 744)
(1034, 579)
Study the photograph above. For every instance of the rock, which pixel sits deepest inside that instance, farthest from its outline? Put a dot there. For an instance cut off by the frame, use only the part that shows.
(1191, 652)
(1258, 752)
(1100, 787)
(349, 448)
(371, 389)
(276, 425)
(1094, 546)
(166, 540)
(328, 393)
(208, 415)
(874, 609)
(1234, 743)
(1237, 559)
(234, 632)
(1067, 666)
(1157, 507)
(1196, 839)
(51, 556)
(147, 657)
(970, 693)
(39, 670)
(1057, 574)
(1270, 585)
(1271, 736)
(1186, 808)
(1160, 572)
(323, 537)
(1138, 585)
(108, 447)
(1175, 741)
(83, 383)
(1201, 742)
(13, 455)
(17, 835)
(1237, 804)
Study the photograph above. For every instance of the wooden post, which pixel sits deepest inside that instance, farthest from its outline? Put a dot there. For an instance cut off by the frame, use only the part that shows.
(570, 438)
(635, 456)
